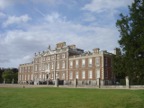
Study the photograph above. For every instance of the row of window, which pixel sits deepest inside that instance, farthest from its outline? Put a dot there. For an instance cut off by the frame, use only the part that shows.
(50, 66)
(63, 64)
(26, 69)
(26, 77)
(43, 76)
(90, 62)
(48, 58)
(83, 74)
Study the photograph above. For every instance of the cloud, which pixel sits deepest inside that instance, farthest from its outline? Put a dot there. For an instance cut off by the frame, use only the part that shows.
(49, 2)
(16, 20)
(6, 3)
(2, 15)
(55, 17)
(106, 5)
(20, 46)
(3, 4)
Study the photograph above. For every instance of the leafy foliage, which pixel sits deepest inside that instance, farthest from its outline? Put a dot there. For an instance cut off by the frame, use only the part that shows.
(131, 28)
(8, 75)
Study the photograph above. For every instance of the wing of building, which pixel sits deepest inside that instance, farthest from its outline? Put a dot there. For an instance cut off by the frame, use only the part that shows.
(67, 63)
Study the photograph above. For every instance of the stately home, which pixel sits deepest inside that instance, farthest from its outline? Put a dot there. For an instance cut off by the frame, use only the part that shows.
(67, 63)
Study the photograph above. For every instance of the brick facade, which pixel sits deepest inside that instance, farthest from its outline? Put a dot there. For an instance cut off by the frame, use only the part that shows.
(68, 63)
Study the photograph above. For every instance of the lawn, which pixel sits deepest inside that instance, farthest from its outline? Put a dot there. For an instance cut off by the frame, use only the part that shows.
(70, 98)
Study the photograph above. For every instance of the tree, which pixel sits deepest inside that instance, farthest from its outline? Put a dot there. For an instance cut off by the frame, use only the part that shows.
(10, 74)
(1, 71)
(131, 28)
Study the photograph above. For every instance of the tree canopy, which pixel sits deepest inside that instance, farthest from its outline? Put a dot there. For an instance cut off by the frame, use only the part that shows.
(131, 28)
(9, 74)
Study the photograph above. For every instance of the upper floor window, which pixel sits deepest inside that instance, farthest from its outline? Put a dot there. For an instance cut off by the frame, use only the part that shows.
(97, 61)
(52, 65)
(77, 63)
(63, 55)
(63, 64)
(83, 62)
(71, 63)
(90, 62)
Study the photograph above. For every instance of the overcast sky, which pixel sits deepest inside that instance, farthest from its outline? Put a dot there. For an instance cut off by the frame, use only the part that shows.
(29, 26)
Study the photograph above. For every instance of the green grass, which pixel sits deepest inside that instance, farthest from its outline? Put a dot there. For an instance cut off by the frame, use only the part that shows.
(70, 98)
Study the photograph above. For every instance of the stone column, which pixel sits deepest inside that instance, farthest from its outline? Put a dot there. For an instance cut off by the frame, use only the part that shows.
(4, 81)
(75, 83)
(127, 82)
(98, 82)
(12, 81)
(56, 82)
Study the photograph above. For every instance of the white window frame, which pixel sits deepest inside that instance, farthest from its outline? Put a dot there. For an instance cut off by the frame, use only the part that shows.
(52, 65)
(63, 75)
(90, 74)
(97, 59)
(77, 75)
(83, 74)
(63, 64)
(90, 62)
(77, 63)
(83, 62)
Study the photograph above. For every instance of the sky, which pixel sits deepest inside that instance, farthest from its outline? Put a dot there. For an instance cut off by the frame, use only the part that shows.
(30, 26)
